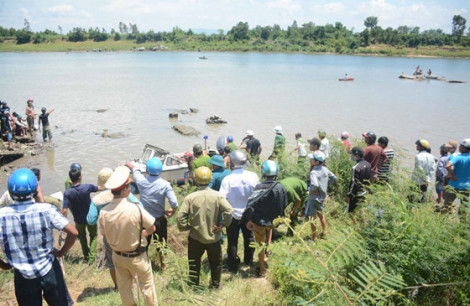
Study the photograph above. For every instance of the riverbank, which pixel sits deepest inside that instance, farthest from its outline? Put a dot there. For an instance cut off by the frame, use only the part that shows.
(227, 46)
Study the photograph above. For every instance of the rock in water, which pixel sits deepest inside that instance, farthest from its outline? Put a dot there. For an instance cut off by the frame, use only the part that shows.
(193, 110)
(215, 119)
(186, 130)
(173, 115)
(101, 110)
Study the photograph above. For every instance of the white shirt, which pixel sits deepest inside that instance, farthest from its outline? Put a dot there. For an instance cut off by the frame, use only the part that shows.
(301, 150)
(325, 146)
(425, 167)
(237, 187)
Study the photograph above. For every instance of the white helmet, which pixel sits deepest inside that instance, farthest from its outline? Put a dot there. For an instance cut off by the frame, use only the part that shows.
(278, 129)
(465, 142)
(249, 133)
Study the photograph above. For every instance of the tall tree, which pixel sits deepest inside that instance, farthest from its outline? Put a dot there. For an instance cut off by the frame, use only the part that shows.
(27, 26)
(240, 31)
(458, 25)
(371, 22)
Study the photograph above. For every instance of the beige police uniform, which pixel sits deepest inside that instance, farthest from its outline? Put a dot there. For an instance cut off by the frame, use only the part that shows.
(121, 223)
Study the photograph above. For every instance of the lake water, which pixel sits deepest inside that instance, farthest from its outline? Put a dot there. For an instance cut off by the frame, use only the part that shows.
(250, 90)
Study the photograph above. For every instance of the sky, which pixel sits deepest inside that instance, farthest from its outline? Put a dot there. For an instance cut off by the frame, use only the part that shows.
(211, 15)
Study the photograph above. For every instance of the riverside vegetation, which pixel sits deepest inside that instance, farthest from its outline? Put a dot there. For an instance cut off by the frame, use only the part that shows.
(404, 254)
(307, 38)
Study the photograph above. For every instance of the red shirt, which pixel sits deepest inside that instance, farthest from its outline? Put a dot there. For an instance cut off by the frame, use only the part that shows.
(372, 154)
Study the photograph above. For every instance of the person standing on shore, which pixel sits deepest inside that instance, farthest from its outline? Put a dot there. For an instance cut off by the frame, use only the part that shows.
(374, 154)
(30, 115)
(125, 225)
(264, 209)
(325, 144)
(253, 146)
(237, 188)
(46, 129)
(78, 199)
(98, 202)
(360, 178)
(459, 172)
(218, 172)
(204, 213)
(384, 170)
(153, 192)
(425, 166)
(441, 172)
(301, 150)
(320, 178)
(29, 247)
(279, 144)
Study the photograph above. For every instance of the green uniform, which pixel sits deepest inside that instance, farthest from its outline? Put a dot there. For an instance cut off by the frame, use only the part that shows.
(232, 146)
(202, 160)
(200, 211)
(279, 144)
(296, 189)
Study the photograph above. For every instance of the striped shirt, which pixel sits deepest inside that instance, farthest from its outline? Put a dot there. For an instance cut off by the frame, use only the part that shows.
(26, 236)
(384, 171)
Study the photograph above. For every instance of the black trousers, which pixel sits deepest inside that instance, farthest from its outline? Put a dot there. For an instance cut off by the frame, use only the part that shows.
(214, 254)
(29, 292)
(232, 239)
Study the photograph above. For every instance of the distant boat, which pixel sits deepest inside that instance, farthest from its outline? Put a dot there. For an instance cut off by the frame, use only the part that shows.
(203, 57)
(346, 78)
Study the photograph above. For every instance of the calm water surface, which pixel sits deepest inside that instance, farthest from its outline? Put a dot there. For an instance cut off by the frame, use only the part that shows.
(251, 91)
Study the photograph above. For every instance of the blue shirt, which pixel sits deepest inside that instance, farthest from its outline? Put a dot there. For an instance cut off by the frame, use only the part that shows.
(217, 177)
(26, 236)
(93, 213)
(78, 199)
(461, 164)
(153, 191)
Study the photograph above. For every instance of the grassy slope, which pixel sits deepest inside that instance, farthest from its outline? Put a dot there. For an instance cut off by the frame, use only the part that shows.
(89, 285)
(126, 45)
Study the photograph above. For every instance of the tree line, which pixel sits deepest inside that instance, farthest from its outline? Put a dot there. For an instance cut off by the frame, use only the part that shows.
(334, 36)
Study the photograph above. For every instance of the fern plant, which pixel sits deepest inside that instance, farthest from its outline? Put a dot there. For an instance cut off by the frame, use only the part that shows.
(321, 269)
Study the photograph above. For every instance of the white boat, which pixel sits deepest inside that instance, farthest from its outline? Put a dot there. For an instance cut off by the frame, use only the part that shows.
(175, 167)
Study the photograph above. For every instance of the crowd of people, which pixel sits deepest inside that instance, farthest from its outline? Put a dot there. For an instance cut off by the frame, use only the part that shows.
(12, 124)
(228, 196)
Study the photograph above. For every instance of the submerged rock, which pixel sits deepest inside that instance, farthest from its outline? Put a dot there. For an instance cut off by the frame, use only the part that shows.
(215, 119)
(101, 110)
(186, 130)
(106, 134)
(194, 110)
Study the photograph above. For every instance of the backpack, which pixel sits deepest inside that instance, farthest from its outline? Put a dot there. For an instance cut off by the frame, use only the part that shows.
(256, 197)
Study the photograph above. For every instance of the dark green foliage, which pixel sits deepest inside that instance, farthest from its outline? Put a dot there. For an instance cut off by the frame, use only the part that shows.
(23, 37)
(77, 34)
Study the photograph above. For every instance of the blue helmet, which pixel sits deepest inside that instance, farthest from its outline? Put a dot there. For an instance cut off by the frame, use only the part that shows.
(22, 184)
(269, 168)
(75, 166)
(230, 138)
(154, 166)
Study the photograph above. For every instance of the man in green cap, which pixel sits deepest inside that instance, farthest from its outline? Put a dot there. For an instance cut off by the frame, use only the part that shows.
(218, 171)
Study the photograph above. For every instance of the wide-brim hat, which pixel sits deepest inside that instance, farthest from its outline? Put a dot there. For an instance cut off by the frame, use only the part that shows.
(452, 144)
(217, 160)
(118, 179)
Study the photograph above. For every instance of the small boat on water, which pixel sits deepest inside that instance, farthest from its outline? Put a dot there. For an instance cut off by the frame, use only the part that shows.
(346, 79)
(203, 57)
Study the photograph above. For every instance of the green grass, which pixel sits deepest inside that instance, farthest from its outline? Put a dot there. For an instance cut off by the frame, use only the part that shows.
(54, 44)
